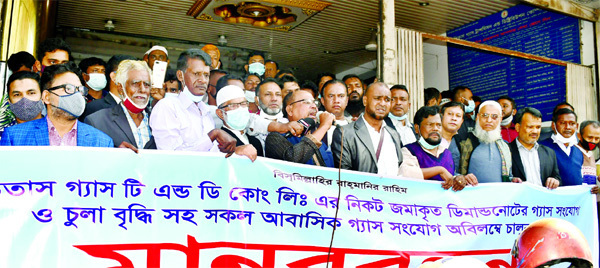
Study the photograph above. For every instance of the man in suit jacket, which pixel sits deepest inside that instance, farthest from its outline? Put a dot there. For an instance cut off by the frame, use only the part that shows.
(112, 98)
(369, 144)
(127, 122)
(62, 93)
(532, 162)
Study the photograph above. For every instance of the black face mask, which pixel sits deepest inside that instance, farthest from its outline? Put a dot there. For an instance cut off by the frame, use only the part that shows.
(588, 146)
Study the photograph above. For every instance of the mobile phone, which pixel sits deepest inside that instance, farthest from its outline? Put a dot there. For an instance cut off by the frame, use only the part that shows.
(158, 74)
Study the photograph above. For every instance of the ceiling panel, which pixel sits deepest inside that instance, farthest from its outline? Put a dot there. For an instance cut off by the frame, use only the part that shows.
(342, 26)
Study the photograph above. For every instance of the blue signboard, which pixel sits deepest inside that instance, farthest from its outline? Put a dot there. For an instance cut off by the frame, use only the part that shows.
(522, 28)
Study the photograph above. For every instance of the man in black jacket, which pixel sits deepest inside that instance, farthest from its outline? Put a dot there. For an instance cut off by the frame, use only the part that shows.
(533, 162)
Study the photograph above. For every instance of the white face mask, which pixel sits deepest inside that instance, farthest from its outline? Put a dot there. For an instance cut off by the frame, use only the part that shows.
(426, 144)
(250, 95)
(506, 121)
(571, 140)
(470, 107)
(193, 97)
(97, 81)
(171, 95)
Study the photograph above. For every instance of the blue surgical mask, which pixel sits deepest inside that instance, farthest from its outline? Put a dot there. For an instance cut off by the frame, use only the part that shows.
(238, 118)
(470, 107)
(399, 118)
(256, 68)
(426, 145)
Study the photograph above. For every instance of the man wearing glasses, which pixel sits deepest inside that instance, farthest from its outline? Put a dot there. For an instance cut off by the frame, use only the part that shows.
(369, 144)
(63, 94)
(306, 148)
(232, 109)
(484, 155)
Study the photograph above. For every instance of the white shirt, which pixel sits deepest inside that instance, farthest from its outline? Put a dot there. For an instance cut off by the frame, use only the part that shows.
(531, 163)
(181, 124)
(141, 133)
(405, 131)
(117, 99)
(388, 157)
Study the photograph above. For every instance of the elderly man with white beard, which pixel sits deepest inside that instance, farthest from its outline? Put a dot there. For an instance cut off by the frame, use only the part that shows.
(484, 156)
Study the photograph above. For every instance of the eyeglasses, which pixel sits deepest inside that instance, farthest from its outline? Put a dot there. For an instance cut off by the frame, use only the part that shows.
(307, 102)
(71, 89)
(486, 116)
(233, 106)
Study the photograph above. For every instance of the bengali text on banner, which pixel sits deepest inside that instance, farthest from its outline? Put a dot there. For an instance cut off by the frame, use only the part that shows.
(64, 207)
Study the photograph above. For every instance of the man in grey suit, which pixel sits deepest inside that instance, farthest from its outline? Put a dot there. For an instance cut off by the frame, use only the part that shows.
(369, 145)
(127, 122)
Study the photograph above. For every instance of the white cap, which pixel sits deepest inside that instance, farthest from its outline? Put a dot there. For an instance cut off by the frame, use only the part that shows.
(161, 48)
(228, 93)
(492, 103)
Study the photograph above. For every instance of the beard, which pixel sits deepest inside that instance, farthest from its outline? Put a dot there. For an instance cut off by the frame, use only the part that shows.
(267, 110)
(434, 142)
(59, 113)
(355, 107)
(487, 136)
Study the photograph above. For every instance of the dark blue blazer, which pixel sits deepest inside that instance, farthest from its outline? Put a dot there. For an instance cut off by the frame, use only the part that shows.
(35, 133)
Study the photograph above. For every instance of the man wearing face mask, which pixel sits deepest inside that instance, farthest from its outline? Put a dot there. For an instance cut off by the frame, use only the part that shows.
(464, 95)
(127, 122)
(63, 95)
(589, 137)
(399, 114)
(93, 71)
(563, 141)
(250, 83)
(509, 109)
(233, 110)
(24, 96)
(113, 97)
(185, 123)
(256, 63)
(425, 159)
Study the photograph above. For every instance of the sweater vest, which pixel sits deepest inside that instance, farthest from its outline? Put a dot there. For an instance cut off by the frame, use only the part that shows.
(427, 160)
(569, 167)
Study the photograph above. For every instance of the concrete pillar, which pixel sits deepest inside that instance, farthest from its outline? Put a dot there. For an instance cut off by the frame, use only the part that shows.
(389, 43)
(597, 61)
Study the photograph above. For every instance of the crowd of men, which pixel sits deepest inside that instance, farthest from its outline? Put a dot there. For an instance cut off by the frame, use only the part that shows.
(455, 138)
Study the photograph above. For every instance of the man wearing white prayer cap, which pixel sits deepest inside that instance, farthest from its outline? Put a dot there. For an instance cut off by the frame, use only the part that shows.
(156, 53)
(484, 156)
(232, 109)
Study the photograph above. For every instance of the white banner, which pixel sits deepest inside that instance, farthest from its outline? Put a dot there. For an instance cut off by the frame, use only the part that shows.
(67, 207)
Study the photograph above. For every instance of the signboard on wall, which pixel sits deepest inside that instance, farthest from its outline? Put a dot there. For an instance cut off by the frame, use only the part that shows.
(522, 28)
